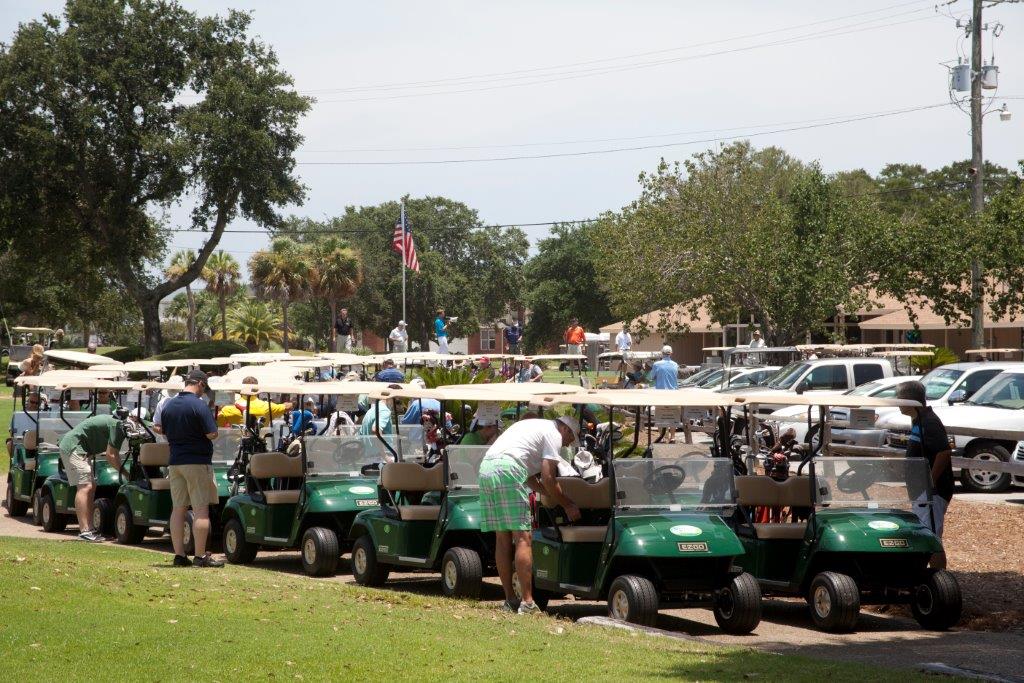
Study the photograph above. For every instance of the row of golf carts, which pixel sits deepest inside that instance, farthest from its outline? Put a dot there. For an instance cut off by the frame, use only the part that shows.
(662, 526)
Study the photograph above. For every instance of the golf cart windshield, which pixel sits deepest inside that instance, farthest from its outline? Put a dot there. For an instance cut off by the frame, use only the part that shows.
(1005, 391)
(937, 382)
(464, 466)
(689, 482)
(225, 446)
(871, 482)
(346, 455)
(787, 376)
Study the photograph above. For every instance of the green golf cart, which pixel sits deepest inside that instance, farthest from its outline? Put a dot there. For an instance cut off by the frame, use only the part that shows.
(846, 533)
(306, 501)
(653, 532)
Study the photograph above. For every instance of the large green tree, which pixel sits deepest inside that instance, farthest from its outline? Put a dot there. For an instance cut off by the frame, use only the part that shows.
(119, 110)
(563, 283)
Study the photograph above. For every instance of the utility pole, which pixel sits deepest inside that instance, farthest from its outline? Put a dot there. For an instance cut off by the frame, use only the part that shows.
(978, 177)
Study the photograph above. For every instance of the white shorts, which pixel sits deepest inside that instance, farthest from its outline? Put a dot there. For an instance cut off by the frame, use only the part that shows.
(442, 344)
(936, 514)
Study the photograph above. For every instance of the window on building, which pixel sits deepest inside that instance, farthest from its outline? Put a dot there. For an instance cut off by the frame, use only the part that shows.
(488, 339)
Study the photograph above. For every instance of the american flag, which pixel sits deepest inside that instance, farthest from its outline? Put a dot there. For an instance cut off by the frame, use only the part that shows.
(402, 243)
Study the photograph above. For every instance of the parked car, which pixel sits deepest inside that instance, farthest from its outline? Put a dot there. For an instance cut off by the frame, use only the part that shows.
(999, 404)
(1018, 457)
(740, 376)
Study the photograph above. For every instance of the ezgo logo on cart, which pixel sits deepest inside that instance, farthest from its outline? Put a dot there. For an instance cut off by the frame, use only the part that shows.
(700, 547)
(893, 542)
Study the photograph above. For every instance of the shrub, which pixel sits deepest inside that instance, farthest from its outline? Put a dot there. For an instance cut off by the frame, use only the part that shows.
(126, 354)
(203, 349)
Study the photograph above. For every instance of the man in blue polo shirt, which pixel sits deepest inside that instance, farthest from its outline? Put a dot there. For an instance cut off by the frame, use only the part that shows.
(665, 375)
(389, 373)
(188, 424)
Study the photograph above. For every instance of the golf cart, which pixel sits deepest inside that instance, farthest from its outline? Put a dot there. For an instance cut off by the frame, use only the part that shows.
(305, 499)
(429, 515)
(652, 533)
(18, 352)
(839, 529)
(57, 496)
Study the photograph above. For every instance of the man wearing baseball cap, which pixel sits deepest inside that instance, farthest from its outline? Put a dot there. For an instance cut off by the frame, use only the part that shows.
(665, 374)
(190, 429)
(525, 457)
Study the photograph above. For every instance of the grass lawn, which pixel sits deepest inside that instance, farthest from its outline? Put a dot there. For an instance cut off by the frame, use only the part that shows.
(75, 611)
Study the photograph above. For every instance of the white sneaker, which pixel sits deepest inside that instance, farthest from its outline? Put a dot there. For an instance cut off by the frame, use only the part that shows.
(528, 608)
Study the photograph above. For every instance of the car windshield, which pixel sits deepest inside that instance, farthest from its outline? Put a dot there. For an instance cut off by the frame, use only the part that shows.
(688, 482)
(938, 382)
(346, 455)
(787, 376)
(464, 466)
(697, 377)
(871, 482)
(751, 379)
(711, 380)
(1005, 391)
(866, 389)
(225, 446)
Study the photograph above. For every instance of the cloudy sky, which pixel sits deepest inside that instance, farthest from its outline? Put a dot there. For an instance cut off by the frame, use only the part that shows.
(458, 80)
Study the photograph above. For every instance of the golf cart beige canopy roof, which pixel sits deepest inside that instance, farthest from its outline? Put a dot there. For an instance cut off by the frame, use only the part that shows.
(818, 399)
(198, 362)
(902, 354)
(551, 356)
(621, 398)
(277, 374)
(31, 330)
(903, 346)
(718, 348)
(984, 352)
(303, 363)
(630, 355)
(304, 388)
(344, 358)
(260, 357)
(55, 378)
(79, 357)
(92, 383)
(527, 388)
(136, 366)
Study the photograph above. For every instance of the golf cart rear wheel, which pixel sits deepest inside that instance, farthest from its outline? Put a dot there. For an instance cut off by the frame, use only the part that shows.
(320, 551)
(52, 520)
(980, 481)
(125, 529)
(37, 507)
(462, 573)
(103, 516)
(835, 602)
(633, 599)
(15, 507)
(738, 605)
(188, 536)
(236, 548)
(365, 569)
(937, 602)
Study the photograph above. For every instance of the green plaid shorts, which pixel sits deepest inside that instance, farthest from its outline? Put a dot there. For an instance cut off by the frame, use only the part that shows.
(504, 498)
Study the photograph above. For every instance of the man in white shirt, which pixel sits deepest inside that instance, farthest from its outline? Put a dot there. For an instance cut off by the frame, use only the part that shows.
(756, 342)
(624, 341)
(525, 457)
(399, 338)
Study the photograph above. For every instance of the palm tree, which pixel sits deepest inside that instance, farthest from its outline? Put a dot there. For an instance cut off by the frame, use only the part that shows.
(178, 265)
(283, 273)
(336, 272)
(222, 276)
(253, 323)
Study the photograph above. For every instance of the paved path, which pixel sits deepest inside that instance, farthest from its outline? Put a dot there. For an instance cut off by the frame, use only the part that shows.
(786, 627)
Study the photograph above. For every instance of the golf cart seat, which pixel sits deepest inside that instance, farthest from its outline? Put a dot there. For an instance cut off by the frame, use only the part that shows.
(587, 496)
(413, 477)
(759, 490)
(277, 465)
(155, 456)
(29, 442)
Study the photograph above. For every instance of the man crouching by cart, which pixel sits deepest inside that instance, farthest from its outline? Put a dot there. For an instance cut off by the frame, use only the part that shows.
(100, 434)
(524, 457)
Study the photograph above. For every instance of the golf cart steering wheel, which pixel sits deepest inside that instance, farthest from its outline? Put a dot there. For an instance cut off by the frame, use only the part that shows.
(664, 480)
(857, 479)
(350, 452)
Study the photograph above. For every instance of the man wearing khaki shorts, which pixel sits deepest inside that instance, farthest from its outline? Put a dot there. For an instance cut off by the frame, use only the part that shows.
(95, 435)
(190, 429)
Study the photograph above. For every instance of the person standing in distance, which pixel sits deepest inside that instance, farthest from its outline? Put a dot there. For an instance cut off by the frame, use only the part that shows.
(665, 374)
(343, 329)
(188, 424)
(399, 338)
(441, 330)
(513, 336)
(928, 439)
(576, 342)
(525, 457)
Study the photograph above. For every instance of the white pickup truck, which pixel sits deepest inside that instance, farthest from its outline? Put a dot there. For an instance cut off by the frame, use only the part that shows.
(998, 405)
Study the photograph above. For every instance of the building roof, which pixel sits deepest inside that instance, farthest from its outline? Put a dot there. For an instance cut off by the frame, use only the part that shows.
(676, 317)
(929, 320)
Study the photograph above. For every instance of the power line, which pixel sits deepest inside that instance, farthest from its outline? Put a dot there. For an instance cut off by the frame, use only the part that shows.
(604, 60)
(614, 150)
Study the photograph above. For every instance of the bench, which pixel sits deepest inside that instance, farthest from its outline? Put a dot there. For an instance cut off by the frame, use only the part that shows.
(757, 490)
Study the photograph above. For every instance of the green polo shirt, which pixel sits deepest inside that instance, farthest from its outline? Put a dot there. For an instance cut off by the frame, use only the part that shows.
(93, 435)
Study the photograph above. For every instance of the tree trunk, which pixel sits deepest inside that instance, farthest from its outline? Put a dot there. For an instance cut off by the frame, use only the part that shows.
(222, 300)
(191, 313)
(284, 320)
(330, 331)
(153, 340)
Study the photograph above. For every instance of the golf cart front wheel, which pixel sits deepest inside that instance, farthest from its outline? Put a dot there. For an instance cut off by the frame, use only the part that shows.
(365, 568)
(52, 520)
(188, 534)
(835, 602)
(103, 516)
(236, 548)
(15, 507)
(125, 529)
(633, 599)
(37, 507)
(462, 573)
(738, 605)
(320, 551)
(937, 602)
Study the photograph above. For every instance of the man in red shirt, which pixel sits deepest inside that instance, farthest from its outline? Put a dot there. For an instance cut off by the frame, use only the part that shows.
(576, 342)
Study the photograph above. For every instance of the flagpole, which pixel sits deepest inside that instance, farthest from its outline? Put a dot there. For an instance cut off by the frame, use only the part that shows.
(403, 261)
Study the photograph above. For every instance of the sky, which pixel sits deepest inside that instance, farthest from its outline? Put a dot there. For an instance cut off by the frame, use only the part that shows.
(539, 77)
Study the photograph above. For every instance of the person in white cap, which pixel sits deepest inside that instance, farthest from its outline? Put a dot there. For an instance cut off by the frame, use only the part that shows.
(399, 338)
(482, 431)
(665, 374)
(525, 457)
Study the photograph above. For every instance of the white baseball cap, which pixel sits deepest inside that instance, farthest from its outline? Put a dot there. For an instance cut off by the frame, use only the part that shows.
(666, 350)
(572, 423)
(418, 381)
(401, 323)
